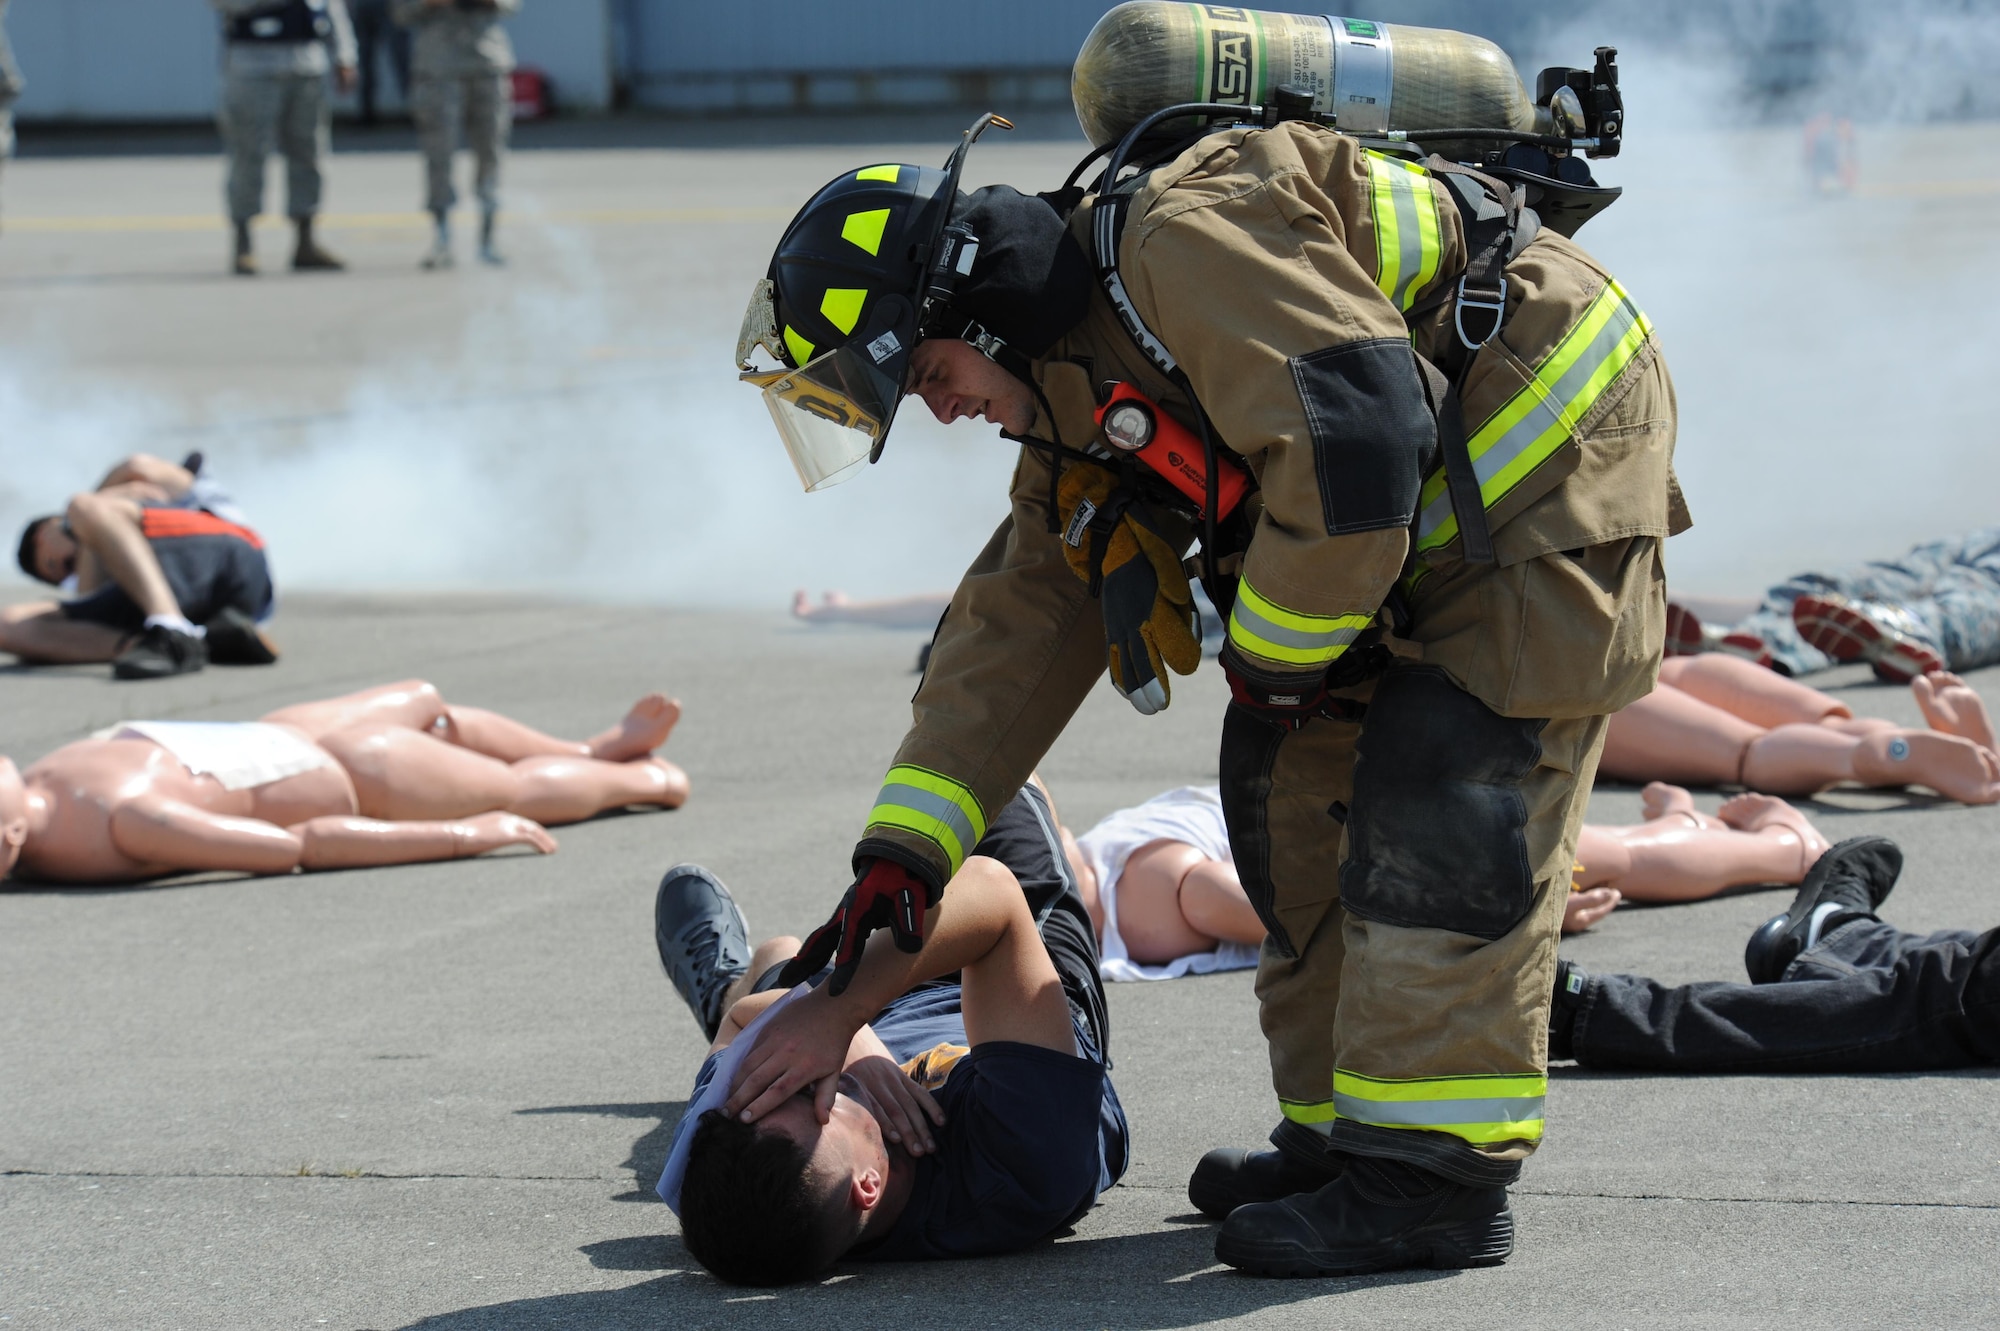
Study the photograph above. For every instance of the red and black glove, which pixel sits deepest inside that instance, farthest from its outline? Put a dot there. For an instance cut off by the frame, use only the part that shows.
(885, 896)
(1290, 705)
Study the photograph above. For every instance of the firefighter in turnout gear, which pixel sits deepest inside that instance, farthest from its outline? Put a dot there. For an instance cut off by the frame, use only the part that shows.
(1457, 433)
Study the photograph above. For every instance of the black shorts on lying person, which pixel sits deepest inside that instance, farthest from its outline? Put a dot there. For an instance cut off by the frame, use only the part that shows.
(1031, 1135)
(1840, 991)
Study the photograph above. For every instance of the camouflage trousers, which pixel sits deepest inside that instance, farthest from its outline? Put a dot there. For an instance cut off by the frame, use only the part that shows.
(263, 111)
(1951, 586)
(478, 105)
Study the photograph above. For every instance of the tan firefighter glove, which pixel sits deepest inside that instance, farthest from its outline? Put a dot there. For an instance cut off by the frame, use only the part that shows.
(1112, 541)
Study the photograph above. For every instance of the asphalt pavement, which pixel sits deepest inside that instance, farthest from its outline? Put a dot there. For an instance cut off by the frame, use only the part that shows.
(438, 1096)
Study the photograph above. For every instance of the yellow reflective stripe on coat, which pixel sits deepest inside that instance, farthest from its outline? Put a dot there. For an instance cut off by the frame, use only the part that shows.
(1312, 1113)
(1262, 627)
(1409, 245)
(1481, 1110)
(932, 805)
(1542, 415)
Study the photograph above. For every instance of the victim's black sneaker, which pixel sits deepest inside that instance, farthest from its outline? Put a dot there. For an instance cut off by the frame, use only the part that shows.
(1379, 1215)
(703, 939)
(234, 639)
(1228, 1177)
(1849, 881)
(159, 652)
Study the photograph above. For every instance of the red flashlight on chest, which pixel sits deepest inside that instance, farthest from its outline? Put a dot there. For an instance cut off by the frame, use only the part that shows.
(1131, 424)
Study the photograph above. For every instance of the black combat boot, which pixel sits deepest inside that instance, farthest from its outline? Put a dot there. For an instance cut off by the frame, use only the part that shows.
(1379, 1215)
(309, 257)
(1228, 1177)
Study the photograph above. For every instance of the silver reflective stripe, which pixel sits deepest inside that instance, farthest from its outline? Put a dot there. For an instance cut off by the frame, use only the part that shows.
(1547, 411)
(1289, 637)
(1437, 1113)
(1556, 406)
(1434, 514)
(932, 805)
(1403, 189)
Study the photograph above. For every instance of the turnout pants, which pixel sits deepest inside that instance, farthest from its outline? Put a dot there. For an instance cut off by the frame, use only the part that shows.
(1869, 998)
(1411, 865)
(479, 105)
(285, 111)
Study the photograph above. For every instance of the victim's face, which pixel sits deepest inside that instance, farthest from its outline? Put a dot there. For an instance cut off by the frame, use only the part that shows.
(55, 553)
(956, 381)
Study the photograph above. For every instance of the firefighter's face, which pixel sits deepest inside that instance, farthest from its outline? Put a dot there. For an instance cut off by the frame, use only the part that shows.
(955, 381)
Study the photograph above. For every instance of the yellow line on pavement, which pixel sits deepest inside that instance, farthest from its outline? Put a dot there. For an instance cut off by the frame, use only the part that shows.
(389, 221)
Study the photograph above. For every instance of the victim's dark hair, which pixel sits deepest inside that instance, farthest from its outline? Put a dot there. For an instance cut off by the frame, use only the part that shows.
(748, 1212)
(25, 556)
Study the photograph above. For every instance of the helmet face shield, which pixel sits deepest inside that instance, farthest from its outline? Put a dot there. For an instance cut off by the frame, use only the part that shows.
(844, 302)
(832, 413)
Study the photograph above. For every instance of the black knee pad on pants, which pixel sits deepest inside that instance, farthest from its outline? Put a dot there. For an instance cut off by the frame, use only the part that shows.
(1437, 835)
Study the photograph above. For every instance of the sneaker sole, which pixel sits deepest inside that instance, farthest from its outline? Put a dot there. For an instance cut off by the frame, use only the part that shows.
(1750, 649)
(1846, 635)
(1488, 1241)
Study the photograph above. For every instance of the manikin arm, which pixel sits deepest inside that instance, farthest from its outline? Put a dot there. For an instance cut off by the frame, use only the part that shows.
(170, 835)
(347, 842)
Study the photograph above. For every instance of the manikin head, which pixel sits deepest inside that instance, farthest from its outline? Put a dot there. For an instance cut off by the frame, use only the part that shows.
(13, 816)
(956, 380)
(47, 553)
(782, 1199)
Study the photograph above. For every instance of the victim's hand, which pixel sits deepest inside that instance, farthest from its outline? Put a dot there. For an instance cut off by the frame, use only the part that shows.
(905, 1110)
(803, 1045)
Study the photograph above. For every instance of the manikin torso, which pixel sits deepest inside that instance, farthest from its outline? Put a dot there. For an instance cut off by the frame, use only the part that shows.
(76, 794)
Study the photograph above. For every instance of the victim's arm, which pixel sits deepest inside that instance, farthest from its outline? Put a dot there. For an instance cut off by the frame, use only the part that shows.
(981, 929)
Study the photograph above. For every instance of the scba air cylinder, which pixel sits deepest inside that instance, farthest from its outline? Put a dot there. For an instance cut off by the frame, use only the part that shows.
(1372, 77)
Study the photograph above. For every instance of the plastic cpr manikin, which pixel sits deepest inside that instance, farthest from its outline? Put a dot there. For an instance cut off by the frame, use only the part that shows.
(392, 775)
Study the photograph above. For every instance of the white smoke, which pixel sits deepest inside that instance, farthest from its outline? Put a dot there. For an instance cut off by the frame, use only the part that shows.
(651, 476)
(1830, 351)
(1831, 355)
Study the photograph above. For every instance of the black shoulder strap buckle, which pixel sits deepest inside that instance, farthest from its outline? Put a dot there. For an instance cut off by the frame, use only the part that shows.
(1491, 214)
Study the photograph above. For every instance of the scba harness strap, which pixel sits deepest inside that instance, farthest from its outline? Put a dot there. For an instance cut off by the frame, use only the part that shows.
(1497, 226)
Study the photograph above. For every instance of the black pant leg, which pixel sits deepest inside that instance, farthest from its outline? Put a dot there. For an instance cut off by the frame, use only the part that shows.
(1024, 836)
(1935, 1006)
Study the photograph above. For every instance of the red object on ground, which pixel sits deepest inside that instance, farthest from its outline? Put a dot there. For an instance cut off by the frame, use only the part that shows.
(534, 94)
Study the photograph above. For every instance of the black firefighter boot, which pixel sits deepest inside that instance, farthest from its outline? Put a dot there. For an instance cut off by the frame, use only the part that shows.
(1228, 1178)
(309, 257)
(1379, 1215)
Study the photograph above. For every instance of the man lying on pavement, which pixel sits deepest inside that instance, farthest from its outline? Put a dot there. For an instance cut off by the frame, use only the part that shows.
(949, 1102)
(167, 578)
(1832, 989)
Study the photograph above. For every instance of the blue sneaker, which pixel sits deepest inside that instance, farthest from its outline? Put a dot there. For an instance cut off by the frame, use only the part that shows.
(704, 940)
